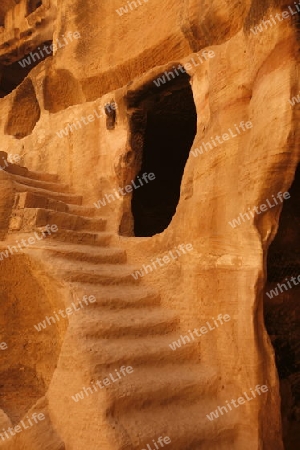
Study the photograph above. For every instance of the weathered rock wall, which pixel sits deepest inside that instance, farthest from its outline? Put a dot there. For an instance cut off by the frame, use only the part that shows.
(251, 78)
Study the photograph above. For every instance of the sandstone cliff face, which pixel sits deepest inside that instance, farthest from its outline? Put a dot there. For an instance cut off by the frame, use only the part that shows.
(54, 114)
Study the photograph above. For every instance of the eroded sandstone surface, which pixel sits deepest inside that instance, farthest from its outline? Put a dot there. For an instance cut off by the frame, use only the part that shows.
(149, 225)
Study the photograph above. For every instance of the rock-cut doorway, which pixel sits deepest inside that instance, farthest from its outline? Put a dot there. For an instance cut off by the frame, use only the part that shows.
(168, 117)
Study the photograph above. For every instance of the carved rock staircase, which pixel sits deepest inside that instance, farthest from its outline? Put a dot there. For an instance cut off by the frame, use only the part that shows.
(169, 392)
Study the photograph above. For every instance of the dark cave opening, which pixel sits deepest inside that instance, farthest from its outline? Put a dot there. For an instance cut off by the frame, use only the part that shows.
(12, 74)
(282, 312)
(170, 129)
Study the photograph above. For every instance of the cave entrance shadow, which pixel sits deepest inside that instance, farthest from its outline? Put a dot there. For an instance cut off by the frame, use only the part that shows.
(169, 120)
(14, 73)
(282, 312)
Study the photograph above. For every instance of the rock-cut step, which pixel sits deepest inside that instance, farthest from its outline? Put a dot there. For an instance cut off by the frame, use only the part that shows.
(34, 200)
(14, 169)
(130, 323)
(115, 297)
(147, 351)
(88, 253)
(87, 211)
(79, 237)
(47, 185)
(66, 198)
(102, 274)
(43, 176)
(146, 388)
(39, 217)
(187, 427)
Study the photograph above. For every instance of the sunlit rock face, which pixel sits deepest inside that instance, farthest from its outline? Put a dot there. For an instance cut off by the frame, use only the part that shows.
(162, 141)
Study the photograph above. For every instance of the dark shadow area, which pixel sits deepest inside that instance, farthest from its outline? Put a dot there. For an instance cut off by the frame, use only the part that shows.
(12, 75)
(61, 90)
(170, 128)
(260, 10)
(32, 5)
(25, 111)
(282, 312)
